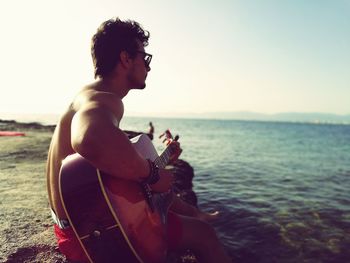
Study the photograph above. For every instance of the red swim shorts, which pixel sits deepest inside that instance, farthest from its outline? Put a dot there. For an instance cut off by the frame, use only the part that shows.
(69, 245)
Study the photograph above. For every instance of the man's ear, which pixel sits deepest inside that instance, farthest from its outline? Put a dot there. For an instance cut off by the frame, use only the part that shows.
(125, 59)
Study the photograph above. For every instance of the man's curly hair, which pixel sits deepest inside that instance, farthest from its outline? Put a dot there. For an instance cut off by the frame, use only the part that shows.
(113, 37)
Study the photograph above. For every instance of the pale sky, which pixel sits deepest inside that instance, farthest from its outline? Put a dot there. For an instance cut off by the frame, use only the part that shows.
(264, 56)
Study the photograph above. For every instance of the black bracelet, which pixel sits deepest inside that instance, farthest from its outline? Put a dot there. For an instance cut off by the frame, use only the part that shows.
(153, 174)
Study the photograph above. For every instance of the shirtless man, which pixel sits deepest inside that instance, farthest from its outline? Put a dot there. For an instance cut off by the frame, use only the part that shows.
(90, 127)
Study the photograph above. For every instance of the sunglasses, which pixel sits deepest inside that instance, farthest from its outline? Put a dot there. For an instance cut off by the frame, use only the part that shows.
(146, 57)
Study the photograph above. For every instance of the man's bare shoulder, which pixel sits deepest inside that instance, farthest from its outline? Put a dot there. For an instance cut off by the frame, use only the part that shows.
(92, 98)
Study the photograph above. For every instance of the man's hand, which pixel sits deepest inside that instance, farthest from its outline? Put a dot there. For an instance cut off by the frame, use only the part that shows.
(176, 151)
(165, 182)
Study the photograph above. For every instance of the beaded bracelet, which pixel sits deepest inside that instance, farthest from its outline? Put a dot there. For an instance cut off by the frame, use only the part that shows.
(153, 174)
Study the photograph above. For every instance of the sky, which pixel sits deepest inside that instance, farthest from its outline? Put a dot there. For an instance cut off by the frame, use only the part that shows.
(266, 56)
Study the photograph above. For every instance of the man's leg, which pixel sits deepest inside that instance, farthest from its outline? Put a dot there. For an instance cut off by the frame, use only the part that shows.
(181, 207)
(201, 238)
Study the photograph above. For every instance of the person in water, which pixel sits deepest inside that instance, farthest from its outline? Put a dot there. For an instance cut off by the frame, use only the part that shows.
(90, 127)
(167, 136)
(151, 130)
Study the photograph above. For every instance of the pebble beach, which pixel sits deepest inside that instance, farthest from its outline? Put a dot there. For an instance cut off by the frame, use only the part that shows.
(25, 224)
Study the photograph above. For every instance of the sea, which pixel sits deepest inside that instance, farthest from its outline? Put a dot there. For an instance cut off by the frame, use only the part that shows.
(282, 188)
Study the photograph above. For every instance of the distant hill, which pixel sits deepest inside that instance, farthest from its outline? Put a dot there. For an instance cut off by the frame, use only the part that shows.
(45, 119)
(287, 116)
(314, 117)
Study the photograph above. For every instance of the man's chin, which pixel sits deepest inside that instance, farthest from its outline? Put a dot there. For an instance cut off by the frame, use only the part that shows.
(140, 86)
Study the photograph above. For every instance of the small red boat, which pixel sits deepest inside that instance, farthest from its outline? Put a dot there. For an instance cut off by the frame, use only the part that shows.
(11, 133)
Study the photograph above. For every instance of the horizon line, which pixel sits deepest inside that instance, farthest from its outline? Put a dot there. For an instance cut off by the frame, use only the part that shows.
(292, 117)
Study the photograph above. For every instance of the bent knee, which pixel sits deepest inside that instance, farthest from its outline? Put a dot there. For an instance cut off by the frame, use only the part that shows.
(197, 233)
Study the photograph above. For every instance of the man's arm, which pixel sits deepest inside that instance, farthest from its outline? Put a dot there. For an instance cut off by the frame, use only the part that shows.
(95, 135)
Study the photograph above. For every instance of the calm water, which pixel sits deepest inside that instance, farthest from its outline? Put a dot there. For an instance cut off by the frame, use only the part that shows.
(283, 189)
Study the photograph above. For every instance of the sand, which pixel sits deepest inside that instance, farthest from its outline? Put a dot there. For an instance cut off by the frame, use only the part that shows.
(25, 224)
(26, 231)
